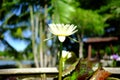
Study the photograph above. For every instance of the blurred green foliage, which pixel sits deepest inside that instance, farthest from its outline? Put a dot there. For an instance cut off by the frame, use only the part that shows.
(93, 18)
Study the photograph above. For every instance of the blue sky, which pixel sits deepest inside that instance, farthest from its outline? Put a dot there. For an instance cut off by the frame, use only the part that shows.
(17, 44)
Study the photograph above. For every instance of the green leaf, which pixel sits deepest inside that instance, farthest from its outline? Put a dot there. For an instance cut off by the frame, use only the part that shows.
(62, 11)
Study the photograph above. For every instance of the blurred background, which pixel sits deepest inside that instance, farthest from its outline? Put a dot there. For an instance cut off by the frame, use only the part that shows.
(24, 28)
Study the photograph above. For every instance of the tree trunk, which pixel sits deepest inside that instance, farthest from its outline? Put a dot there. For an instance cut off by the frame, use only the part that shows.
(80, 46)
(41, 44)
(81, 49)
(34, 47)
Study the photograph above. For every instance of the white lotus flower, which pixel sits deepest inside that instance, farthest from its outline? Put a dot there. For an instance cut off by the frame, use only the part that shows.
(62, 30)
(66, 54)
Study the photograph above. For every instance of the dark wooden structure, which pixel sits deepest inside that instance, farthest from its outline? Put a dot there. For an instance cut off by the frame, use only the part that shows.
(102, 41)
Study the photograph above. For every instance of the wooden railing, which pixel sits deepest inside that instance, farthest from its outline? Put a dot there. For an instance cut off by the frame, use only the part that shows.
(49, 72)
(30, 72)
(112, 70)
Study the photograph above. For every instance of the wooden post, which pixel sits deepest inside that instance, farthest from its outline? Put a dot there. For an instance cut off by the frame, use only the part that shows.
(89, 51)
(111, 47)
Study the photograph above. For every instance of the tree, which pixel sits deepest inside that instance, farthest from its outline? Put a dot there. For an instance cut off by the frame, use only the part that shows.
(89, 23)
(112, 10)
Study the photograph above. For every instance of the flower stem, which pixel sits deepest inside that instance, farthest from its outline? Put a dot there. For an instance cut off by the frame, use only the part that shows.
(60, 62)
